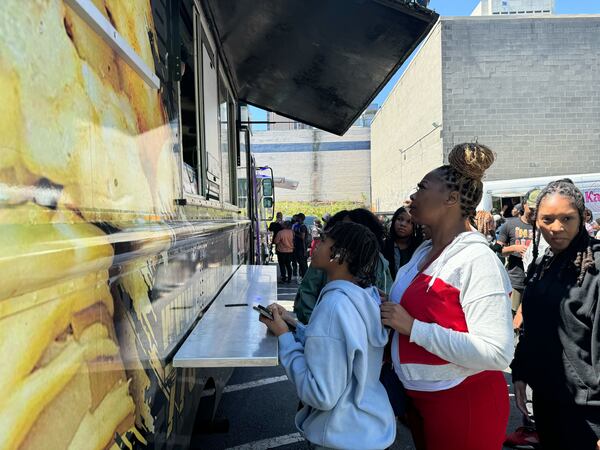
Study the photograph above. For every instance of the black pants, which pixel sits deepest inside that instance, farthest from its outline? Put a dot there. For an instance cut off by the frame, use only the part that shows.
(302, 260)
(294, 264)
(565, 427)
(285, 265)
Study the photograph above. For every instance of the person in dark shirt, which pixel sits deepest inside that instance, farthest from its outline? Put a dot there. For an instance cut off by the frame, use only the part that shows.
(558, 354)
(404, 237)
(515, 235)
(300, 248)
(275, 227)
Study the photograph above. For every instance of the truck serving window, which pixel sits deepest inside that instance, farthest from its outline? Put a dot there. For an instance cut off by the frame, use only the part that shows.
(211, 123)
(228, 142)
(189, 93)
(189, 125)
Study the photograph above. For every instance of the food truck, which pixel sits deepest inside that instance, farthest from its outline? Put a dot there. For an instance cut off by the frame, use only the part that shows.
(130, 201)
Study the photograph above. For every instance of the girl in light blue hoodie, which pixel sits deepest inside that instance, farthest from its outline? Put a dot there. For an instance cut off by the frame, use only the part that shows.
(335, 361)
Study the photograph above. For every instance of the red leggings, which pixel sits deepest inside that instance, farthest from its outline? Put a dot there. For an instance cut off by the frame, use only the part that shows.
(470, 416)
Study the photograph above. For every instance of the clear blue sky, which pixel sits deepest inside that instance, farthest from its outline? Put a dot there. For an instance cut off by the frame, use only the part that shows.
(462, 8)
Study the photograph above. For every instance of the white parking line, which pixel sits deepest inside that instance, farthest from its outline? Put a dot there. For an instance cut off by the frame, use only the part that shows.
(253, 384)
(274, 442)
(248, 385)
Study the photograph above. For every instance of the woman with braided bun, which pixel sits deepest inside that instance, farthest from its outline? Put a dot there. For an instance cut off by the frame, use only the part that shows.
(558, 354)
(450, 311)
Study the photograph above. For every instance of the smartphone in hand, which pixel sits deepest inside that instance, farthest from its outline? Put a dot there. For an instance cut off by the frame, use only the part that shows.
(263, 311)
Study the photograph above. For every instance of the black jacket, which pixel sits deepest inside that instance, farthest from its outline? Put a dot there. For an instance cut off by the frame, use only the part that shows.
(558, 354)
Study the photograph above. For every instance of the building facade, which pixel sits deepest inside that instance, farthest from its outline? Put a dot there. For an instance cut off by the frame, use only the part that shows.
(526, 86)
(509, 7)
(276, 122)
(327, 167)
(281, 123)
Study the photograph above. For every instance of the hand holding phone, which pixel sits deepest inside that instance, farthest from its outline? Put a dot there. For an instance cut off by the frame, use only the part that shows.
(275, 323)
(263, 311)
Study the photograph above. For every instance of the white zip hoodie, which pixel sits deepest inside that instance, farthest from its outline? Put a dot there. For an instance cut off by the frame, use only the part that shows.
(463, 320)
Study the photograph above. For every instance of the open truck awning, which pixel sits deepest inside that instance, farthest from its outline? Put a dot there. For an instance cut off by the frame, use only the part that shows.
(320, 62)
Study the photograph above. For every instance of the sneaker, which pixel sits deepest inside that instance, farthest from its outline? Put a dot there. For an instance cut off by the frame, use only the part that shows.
(523, 438)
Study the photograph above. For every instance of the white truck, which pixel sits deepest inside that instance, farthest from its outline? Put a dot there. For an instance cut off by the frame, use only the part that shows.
(500, 192)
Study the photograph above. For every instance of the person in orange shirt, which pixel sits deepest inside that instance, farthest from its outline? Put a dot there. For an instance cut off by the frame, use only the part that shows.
(284, 244)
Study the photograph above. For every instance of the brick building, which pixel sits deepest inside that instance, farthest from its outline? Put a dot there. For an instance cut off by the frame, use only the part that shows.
(528, 86)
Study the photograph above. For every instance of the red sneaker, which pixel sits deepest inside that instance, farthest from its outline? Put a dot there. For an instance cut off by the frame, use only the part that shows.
(523, 438)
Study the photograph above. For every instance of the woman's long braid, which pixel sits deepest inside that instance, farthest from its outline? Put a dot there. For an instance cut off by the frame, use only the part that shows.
(535, 252)
(483, 222)
(584, 260)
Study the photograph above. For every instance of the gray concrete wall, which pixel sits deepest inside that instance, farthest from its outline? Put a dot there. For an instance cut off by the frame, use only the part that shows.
(328, 167)
(527, 87)
(404, 143)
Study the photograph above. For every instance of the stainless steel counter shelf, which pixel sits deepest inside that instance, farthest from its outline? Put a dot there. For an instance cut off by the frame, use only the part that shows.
(229, 334)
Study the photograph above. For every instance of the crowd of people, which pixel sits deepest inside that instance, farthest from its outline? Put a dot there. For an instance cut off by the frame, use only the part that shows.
(418, 322)
(293, 243)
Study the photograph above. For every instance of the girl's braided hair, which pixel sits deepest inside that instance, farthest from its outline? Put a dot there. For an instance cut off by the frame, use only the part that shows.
(466, 166)
(356, 245)
(584, 259)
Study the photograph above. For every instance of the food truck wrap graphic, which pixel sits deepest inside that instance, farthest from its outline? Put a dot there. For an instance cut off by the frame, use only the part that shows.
(107, 257)
(97, 262)
(592, 199)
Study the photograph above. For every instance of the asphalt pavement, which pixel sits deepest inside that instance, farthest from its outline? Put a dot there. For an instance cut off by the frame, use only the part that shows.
(260, 405)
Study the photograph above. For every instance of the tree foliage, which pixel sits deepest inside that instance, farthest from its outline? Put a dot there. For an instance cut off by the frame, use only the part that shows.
(318, 209)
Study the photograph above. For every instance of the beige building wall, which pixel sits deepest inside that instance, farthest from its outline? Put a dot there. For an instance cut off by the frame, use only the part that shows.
(406, 135)
(342, 175)
(327, 167)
